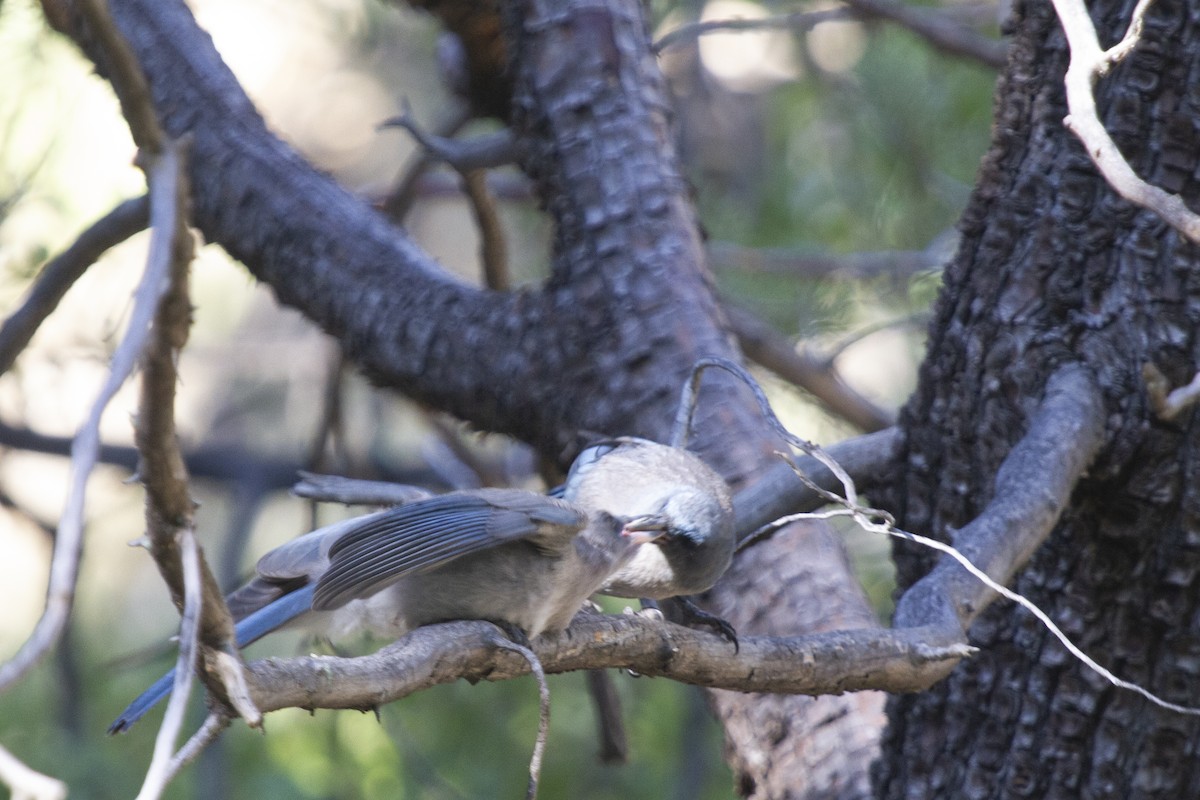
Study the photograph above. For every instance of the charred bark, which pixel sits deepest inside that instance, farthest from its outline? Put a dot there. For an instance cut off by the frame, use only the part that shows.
(1054, 268)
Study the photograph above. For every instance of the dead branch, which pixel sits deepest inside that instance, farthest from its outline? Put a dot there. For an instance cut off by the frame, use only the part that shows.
(61, 272)
(1089, 62)
(68, 542)
(493, 252)
(354, 491)
(227, 464)
(944, 33)
(472, 158)
(900, 264)
(1169, 403)
(159, 773)
(940, 29)
(828, 663)
(465, 155)
(1033, 486)
(777, 493)
(214, 724)
(127, 78)
(25, 783)
(400, 200)
(169, 507)
(765, 346)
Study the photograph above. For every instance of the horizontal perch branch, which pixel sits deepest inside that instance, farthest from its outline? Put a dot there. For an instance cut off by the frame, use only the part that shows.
(829, 663)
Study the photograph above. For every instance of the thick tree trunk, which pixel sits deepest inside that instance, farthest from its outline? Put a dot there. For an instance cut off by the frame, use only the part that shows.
(1055, 268)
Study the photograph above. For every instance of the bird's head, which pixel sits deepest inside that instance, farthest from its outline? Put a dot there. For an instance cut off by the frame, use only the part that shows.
(694, 529)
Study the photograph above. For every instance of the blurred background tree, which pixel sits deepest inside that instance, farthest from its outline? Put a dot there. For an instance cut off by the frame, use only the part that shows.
(829, 163)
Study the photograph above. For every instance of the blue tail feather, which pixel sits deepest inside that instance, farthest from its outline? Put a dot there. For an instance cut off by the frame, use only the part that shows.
(250, 629)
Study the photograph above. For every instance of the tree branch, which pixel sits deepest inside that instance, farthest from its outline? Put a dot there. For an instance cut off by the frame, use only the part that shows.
(1033, 486)
(1088, 63)
(763, 345)
(828, 663)
(799, 263)
(169, 507)
(61, 272)
(944, 33)
(799, 22)
(68, 543)
(938, 28)
(28, 784)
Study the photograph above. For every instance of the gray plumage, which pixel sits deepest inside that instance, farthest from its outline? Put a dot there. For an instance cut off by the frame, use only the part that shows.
(505, 555)
(652, 484)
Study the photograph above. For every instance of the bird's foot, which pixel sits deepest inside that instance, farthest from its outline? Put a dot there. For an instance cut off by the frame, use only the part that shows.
(684, 611)
(514, 633)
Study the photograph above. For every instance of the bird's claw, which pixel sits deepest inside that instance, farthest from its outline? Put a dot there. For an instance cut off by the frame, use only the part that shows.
(684, 611)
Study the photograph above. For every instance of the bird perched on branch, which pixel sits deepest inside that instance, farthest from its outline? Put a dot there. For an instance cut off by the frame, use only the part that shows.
(510, 556)
(505, 555)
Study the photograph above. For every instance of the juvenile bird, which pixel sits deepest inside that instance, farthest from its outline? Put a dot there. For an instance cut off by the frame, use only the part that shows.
(505, 555)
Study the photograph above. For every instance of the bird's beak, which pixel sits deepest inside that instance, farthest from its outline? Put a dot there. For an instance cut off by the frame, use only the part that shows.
(646, 528)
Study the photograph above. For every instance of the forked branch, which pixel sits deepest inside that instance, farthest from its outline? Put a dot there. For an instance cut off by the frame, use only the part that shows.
(1089, 62)
(1033, 486)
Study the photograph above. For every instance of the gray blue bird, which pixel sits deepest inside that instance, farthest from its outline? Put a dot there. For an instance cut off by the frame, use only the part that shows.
(635, 519)
(505, 555)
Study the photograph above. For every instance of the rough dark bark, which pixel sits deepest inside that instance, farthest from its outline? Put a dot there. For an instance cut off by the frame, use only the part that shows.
(1054, 268)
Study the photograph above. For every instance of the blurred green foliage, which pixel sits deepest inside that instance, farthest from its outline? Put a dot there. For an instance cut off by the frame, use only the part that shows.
(876, 157)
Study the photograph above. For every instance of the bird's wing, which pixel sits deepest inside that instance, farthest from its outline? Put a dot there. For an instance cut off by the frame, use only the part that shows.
(286, 568)
(424, 535)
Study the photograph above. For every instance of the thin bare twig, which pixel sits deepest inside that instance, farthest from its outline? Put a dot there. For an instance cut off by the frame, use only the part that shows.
(25, 783)
(214, 723)
(330, 438)
(159, 773)
(482, 152)
(866, 459)
(610, 725)
(801, 263)
(68, 541)
(764, 345)
(126, 77)
(493, 251)
(169, 507)
(938, 28)
(133, 92)
(539, 746)
(355, 491)
(471, 159)
(1169, 403)
(1088, 63)
(61, 272)
(845, 343)
(941, 31)
(401, 199)
(799, 22)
